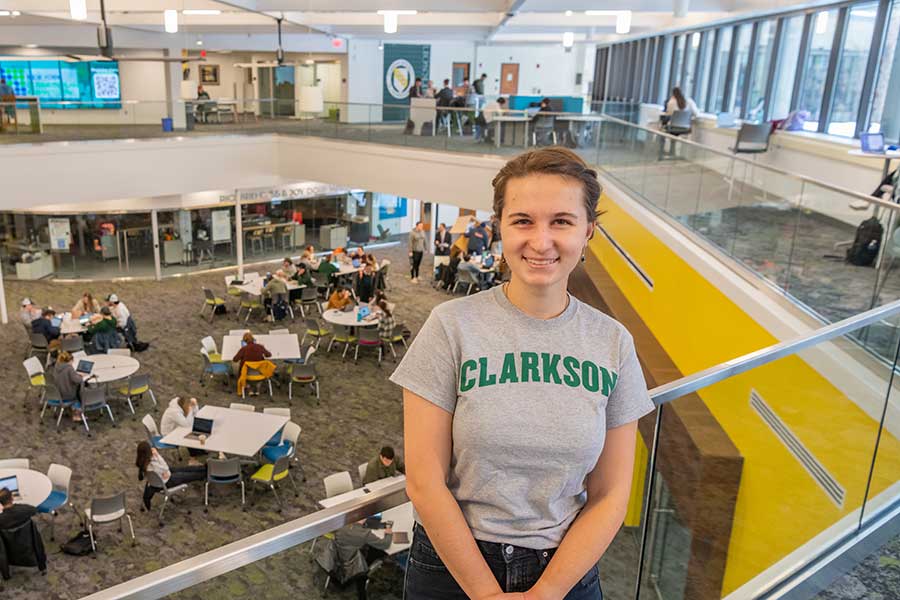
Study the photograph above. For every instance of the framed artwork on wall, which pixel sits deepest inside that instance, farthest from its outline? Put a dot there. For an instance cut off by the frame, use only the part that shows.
(209, 74)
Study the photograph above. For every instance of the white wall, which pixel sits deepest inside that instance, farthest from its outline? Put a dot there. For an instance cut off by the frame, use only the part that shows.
(444, 54)
(543, 70)
(362, 80)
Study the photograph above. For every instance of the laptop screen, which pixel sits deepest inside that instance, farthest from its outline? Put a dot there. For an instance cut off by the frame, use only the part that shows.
(84, 366)
(363, 312)
(10, 483)
(56, 321)
(202, 425)
(872, 142)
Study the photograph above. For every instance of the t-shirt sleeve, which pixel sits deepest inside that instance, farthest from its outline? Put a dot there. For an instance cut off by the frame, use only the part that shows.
(429, 367)
(629, 400)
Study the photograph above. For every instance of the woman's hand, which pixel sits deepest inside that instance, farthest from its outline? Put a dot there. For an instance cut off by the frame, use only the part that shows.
(510, 596)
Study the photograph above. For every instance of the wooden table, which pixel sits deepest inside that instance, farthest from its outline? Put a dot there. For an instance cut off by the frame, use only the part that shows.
(282, 347)
(237, 432)
(34, 486)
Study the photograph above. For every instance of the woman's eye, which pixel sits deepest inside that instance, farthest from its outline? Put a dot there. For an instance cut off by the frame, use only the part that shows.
(520, 222)
(562, 222)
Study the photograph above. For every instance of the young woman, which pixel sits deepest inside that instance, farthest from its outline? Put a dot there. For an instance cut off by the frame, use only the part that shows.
(86, 304)
(386, 322)
(520, 447)
(67, 380)
(678, 101)
(149, 459)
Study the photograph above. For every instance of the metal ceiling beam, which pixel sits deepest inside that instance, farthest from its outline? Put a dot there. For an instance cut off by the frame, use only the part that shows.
(513, 7)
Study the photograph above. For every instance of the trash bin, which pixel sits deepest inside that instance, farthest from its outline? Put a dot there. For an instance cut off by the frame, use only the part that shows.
(189, 121)
(167, 124)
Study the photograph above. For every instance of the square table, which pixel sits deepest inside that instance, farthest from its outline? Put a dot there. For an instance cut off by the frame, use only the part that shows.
(254, 285)
(282, 346)
(402, 515)
(238, 432)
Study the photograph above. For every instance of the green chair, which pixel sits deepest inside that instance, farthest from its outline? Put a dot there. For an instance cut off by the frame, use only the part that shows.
(343, 336)
(316, 330)
(396, 336)
(212, 301)
(251, 303)
(269, 474)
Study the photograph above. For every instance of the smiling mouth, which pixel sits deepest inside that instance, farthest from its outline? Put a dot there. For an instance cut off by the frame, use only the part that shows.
(540, 262)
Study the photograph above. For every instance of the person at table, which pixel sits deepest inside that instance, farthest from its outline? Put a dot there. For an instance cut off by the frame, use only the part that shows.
(251, 351)
(29, 312)
(416, 90)
(44, 325)
(119, 311)
(351, 551)
(149, 459)
(276, 285)
(386, 464)
(288, 267)
(328, 268)
(14, 515)
(365, 287)
(180, 413)
(492, 110)
(678, 101)
(429, 91)
(339, 299)
(85, 305)
(386, 321)
(68, 381)
(204, 106)
(545, 105)
(442, 241)
(309, 257)
(470, 264)
(302, 275)
(477, 239)
(102, 323)
(371, 261)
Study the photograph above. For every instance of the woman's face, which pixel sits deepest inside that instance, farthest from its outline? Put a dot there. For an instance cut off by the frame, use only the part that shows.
(544, 228)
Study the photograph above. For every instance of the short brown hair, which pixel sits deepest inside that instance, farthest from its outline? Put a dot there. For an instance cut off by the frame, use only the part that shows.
(554, 160)
(248, 337)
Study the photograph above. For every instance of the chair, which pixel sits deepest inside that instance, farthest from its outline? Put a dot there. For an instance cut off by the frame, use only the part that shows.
(107, 510)
(72, 344)
(362, 473)
(268, 235)
(337, 483)
(277, 410)
(256, 240)
(36, 378)
(279, 298)
(268, 474)
(239, 406)
(543, 129)
(39, 344)
(214, 368)
(53, 398)
(467, 278)
(368, 338)
(154, 480)
(279, 332)
(680, 123)
(315, 329)
(93, 399)
(212, 301)
(236, 332)
(255, 376)
(153, 435)
(251, 303)
(290, 435)
(309, 297)
(395, 336)
(342, 335)
(15, 463)
(119, 351)
(60, 476)
(212, 351)
(22, 546)
(136, 387)
(223, 472)
(304, 374)
(752, 138)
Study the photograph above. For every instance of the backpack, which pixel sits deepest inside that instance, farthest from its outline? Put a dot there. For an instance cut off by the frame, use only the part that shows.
(279, 310)
(864, 249)
(80, 545)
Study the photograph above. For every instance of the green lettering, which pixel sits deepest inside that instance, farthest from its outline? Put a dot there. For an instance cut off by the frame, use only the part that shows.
(530, 365)
(549, 364)
(609, 381)
(464, 384)
(571, 379)
(590, 378)
(508, 372)
(483, 379)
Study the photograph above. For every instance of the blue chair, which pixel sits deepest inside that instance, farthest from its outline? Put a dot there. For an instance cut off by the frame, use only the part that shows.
(93, 399)
(53, 399)
(213, 368)
(287, 444)
(60, 476)
(154, 437)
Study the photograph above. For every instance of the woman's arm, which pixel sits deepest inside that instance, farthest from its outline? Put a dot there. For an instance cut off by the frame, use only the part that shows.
(608, 488)
(427, 446)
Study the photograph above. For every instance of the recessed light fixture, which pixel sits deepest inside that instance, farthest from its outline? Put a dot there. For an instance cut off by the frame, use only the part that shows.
(568, 39)
(4, 13)
(78, 9)
(201, 11)
(390, 18)
(170, 18)
(16, 13)
(623, 22)
(199, 42)
(568, 13)
(31, 45)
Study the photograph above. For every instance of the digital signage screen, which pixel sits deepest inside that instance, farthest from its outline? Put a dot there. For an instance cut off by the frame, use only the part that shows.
(85, 84)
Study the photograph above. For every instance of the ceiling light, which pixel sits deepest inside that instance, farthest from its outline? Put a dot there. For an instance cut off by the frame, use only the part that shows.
(568, 13)
(4, 13)
(602, 13)
(199, 42)
(821, 23)
(78, 9)
(170, 17)
(201, 11)
(31, 45)
(568, 39)
(398, 12)
(623, 22)
(390, 18)
(16, 13)
(309, 61)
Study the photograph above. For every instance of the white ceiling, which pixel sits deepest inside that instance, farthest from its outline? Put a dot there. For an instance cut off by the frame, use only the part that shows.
(495, 21)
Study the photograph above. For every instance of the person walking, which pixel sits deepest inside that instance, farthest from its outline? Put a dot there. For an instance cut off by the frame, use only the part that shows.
(416, 250)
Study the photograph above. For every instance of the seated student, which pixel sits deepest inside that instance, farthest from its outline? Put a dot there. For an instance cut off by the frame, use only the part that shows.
(102, 328)
(309, 257)
(339, 299)
(13, 514)
(119, 311)
(288, 267)
(371, 261)
(276, 285)
(85, 305)
(327, 267)
(43, 325)
(302, 275)
(180, 413)
(386, 322)
(386, 464)
(348, 555)
(250, 352)
(365, 287)
(149, 459)
(29, 312)
(470, 264)
(68, 381)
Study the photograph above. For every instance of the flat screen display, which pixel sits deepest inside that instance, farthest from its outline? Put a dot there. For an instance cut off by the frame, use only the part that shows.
(87, 84)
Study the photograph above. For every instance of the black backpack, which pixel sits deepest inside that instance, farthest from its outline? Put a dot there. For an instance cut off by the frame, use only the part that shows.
(80, 545)
(864, 249)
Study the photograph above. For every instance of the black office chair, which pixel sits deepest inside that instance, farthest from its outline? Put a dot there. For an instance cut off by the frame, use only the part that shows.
(679, 123)
(752, 138)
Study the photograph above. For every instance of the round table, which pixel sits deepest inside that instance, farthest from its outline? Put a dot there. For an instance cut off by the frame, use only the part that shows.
(34, 486)
(885, 158)
(111, 367)
(348, 319)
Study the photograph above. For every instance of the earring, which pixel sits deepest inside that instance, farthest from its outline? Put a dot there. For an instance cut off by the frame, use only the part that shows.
(583, 252)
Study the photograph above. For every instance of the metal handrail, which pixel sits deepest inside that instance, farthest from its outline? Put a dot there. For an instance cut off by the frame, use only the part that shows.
(206, 566)
(755, 165)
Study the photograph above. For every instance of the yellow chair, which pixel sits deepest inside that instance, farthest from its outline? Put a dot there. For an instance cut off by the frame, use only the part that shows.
(212, 301)
(136, 387)
(35, 371)
(268, 474)
(343, 336)
(316, 330)
(251, 303)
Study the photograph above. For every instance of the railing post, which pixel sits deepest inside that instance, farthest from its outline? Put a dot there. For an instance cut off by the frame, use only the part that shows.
(645, 531)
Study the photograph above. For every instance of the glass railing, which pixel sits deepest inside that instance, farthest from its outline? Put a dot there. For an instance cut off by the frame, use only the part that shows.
(716, 511)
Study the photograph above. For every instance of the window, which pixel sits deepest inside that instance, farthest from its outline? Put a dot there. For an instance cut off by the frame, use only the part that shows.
(765, 40)
(851, 69)
(786, 68)
(677, 58)
(723, 51)
(739, 73)
(692, 46)
(665, 65)
(888, 77)
(812, 86)
(702, 79)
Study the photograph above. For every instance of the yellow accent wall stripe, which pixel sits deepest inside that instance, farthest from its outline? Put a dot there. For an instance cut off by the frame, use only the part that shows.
(780, 506)
(636, 500)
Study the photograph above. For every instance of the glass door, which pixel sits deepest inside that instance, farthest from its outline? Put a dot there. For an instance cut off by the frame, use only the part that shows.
(284, 91)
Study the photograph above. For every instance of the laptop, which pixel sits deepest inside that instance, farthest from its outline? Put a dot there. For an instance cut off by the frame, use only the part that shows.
(363, 312)
(11, 483)
(872, 143)
(532, 110)
(85, 366)
(56, 321)
(201, 427)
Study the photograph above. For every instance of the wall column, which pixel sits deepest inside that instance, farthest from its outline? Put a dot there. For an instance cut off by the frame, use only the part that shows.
(175, 109)
(238, 234)
(154, 224)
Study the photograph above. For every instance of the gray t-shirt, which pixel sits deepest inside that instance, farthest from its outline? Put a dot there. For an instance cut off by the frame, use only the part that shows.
(531, 401)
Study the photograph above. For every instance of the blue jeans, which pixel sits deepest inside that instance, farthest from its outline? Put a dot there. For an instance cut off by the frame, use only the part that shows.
(516, 570)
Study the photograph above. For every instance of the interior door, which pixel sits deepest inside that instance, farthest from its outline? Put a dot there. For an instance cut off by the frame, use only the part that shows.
(509, 79)
(460, 72)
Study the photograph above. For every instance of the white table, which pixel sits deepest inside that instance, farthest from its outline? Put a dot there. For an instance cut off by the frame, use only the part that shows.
(34, 486)
(360, 492)
(254, 286)
(348, 319)
(402, 515)
(282, 347)
(501, 119)
(237, 432)
(572, 119)
(70, 325)
(886, 157)
(107, 367)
